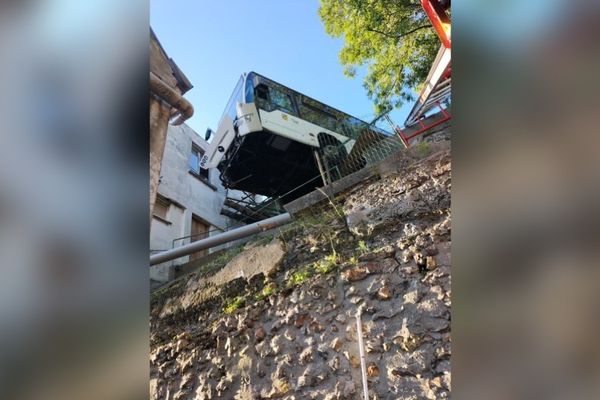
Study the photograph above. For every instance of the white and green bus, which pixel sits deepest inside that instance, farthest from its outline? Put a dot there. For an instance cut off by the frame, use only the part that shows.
(272, 139)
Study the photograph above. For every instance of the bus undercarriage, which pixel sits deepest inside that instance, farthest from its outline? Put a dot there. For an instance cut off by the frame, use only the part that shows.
(270, 165)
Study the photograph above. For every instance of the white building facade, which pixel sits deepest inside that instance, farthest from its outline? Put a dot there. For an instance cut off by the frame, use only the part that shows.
(189, 200)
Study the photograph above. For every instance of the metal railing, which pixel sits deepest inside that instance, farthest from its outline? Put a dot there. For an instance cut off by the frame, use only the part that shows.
(223, 238)
(203, 234)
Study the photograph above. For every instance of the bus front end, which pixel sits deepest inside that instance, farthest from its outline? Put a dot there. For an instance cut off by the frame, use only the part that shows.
(246, 121)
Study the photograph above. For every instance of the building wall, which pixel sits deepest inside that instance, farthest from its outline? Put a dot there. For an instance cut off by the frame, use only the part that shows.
(159, 121)
(189, 196)
(169, 73)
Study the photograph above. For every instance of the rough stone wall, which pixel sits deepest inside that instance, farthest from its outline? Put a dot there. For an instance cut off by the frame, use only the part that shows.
(294, 334)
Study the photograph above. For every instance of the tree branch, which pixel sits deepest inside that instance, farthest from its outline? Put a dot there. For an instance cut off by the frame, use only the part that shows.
(382, 33)
(391, 36)
(418, 28)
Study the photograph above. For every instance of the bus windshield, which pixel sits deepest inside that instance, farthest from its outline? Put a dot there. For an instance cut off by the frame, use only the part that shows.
(236, 97)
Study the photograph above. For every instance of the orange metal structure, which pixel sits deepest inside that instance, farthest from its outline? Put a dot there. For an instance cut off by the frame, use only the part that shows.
(436, 10)
(437, 86)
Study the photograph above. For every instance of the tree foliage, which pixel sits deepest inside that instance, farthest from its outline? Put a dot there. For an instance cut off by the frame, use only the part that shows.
(393, 39)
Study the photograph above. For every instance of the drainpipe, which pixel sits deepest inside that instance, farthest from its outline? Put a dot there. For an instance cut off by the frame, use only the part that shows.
(221, 238)
(171, 97)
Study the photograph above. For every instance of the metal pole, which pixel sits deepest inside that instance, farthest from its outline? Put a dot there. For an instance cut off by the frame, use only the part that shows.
(361, 349)
(222, 238)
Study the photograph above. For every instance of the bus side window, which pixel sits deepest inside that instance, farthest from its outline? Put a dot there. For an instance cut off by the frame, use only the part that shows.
(319, 117)
(262, 98)
(346, 129)
(281, 100)
(262, 92)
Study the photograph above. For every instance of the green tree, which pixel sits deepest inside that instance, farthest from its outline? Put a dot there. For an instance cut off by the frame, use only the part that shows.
(394, 39)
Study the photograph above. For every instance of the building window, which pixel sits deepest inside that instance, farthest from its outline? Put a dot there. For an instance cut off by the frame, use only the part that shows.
(195, 157)
(161, 208)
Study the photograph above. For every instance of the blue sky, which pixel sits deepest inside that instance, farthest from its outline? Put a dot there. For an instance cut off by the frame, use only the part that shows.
(214, 41)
